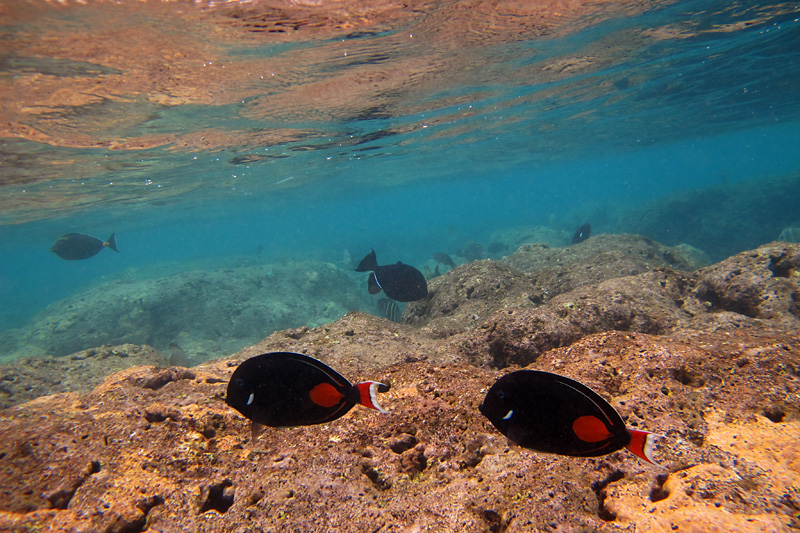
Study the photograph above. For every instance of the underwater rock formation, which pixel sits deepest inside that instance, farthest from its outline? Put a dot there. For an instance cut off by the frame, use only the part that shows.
(721, 220)
(536, 273)
(157, 447)
(691, 356)
(209, 313)
(31, 377)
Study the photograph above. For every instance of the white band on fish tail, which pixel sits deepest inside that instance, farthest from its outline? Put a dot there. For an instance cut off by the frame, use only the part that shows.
(649, 441)
(373, 396)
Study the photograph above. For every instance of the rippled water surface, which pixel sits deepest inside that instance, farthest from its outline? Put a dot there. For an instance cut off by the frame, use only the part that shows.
(319, 129)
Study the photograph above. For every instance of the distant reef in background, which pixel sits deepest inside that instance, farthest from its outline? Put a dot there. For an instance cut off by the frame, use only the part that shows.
(217, 311)
(209, 313)
(722, 220)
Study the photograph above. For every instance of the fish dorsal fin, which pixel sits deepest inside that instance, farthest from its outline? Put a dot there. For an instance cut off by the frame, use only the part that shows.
(370, 262)
(602, 405)
(341, 382)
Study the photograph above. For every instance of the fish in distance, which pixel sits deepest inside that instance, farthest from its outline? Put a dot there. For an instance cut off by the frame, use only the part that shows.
(75, 246)
(400, 282)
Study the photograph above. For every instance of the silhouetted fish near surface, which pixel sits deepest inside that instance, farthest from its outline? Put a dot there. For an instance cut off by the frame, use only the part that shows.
(177, 357)
(283, 389)
(400, 282)
(550, 413)
(444, 259)
(582, 233)
(390, 309)
(74, 246)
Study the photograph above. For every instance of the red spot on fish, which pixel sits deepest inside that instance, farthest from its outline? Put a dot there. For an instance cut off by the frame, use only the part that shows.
(590, 429)
(325, 395)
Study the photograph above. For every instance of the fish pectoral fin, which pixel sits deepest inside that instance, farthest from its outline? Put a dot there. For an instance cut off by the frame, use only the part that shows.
(515, 435)
(372, 284)
(256, 430)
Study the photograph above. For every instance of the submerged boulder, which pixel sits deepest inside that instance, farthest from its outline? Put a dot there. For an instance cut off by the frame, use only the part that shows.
(208, 312)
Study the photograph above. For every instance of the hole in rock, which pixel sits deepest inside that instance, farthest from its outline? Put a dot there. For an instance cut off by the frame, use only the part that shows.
(774, 413)
(599, 487)
(218, 498)
(658, 492)
(780, 266)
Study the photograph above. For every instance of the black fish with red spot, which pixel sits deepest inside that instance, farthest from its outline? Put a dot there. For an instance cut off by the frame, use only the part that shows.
(554, 414)
(290, 389)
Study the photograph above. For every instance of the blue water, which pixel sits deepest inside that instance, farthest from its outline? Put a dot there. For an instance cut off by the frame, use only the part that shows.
(628, 115)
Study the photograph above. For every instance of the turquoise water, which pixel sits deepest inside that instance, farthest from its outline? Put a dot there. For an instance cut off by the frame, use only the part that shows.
(290, 157)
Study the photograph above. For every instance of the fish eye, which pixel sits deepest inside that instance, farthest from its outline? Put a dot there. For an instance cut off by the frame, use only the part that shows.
(501, 394)
(239, 382)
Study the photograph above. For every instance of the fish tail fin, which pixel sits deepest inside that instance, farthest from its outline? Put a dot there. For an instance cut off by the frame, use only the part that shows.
(641, 444)
(111, 243)
(370, 262)
(368, 394)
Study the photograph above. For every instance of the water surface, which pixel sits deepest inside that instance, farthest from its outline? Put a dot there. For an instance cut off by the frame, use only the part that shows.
(301, 131)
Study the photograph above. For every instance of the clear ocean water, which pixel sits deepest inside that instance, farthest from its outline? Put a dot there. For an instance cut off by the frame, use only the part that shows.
(200, 132)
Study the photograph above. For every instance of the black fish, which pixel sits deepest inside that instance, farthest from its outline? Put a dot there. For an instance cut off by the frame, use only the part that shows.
(444, 259)
(290, 389)
(582, 233)
(400, 282)
(550, 413)
(74, 246)
(390, 309)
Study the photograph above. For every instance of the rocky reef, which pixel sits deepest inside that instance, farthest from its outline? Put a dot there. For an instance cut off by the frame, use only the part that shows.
(708, 358)
(721, 220)
(209, 313)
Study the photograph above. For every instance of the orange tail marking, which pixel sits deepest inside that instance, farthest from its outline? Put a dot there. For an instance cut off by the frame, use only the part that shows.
(368, 394)
(641, 444)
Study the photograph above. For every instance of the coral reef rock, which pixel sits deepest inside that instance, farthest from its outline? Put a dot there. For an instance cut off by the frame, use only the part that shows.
(209, 313)
(30, 377)
(691, 356)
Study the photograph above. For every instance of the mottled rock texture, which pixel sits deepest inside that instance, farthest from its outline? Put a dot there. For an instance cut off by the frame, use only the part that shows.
(156, 449)
(208, 312)
(30, 377)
